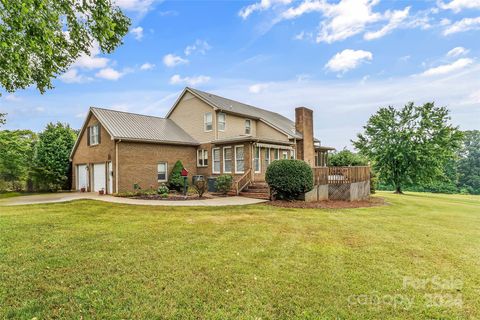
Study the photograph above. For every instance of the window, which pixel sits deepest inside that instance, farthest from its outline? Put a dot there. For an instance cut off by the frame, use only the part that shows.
(227, 159)
(267, 157)
(162, 171)
(207, 121)
(276, 154)
(216, 160)
(248, 126)
(94, 135)
(239, 159)
(202, 158)
(256, 159)
(285, 155)
(292, 154)
(221, 121)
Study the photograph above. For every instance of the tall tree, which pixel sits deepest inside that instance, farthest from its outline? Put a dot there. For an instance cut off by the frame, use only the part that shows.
(15, 156)
(51, 159)
(410, 145)
(40, 39)
(469, 163)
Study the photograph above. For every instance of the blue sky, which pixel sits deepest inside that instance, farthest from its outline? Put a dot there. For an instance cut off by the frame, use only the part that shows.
(344, 59)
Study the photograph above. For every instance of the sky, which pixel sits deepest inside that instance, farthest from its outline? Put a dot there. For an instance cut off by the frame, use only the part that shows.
(343, 59)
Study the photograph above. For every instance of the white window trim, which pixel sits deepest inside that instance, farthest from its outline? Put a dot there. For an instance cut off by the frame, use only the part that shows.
(205, 121)
(166, 171)
(259, 159)
(250, 127)
(235, 157)
(91, 135)
(285, 152)
(213, 160)
(231, 160)
(204, 156)
(224, 122)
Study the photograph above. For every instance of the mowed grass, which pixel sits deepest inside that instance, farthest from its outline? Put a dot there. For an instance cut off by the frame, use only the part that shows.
(88, 259)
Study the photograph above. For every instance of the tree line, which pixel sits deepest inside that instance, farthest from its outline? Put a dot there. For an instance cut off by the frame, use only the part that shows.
(36, 162)
(416, 148)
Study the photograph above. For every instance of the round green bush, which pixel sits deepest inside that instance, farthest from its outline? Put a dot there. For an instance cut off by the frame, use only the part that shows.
(223, 183)
(288, 179)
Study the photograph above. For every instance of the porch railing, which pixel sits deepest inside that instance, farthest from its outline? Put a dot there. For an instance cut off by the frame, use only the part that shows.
(339, 175)
(244, 181)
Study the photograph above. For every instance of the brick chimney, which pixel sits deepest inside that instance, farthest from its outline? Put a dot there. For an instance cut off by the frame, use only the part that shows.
(304, 125)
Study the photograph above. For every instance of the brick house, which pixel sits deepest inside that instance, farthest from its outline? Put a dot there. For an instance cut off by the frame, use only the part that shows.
(210, 134)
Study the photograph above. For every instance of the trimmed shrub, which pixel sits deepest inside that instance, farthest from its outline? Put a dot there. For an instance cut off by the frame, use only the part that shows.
(175, 180)
(162, 189)
(224, 183)
(288, 179)
(200, 187)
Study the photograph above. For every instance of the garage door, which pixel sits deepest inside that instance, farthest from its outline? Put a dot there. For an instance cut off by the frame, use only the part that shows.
(82, 174)
(99, 179)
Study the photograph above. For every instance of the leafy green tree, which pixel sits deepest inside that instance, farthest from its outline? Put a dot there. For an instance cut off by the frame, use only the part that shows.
(469, 162)
(2, 118)
(51, 158)
(346, 158)
(175, 180)
(40, 39)
(411, 145)
(16, 149)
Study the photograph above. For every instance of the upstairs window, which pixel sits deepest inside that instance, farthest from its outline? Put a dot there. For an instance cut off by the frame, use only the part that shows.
(248, 126)
(202, 158)
(162, 171)
(221, 121)
(94, 135)
(208, 121)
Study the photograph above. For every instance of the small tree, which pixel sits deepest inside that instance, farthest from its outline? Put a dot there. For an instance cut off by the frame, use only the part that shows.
(288, 179)
(410, 145)
(51, 159)
(200, 187)
(175, 180)
(224, 183)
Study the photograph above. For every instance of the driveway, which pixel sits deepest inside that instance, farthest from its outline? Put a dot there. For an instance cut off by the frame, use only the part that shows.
(70, 196)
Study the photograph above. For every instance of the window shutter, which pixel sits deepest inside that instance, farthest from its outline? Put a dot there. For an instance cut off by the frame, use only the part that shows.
(88, 136)
(99, 133)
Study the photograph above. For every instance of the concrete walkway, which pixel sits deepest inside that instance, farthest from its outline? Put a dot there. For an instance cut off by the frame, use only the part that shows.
(70, 196)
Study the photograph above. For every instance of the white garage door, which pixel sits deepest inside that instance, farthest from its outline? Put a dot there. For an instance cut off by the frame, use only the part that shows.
(82, 174)
(99, 177)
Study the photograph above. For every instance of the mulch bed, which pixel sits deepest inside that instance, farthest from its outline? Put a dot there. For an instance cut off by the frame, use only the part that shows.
(330, 204)
(174, 197)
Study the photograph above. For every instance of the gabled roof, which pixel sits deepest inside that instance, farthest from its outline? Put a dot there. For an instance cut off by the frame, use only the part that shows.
(139, 127)
(273, 119)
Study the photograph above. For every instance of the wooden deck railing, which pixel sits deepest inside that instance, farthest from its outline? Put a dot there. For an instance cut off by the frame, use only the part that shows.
(338, 175)
(243, 181)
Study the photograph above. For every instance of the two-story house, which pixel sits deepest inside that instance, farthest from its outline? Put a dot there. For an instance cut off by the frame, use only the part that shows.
(210, 134)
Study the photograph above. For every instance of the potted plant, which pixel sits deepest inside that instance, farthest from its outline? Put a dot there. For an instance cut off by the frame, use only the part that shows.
(101, 192)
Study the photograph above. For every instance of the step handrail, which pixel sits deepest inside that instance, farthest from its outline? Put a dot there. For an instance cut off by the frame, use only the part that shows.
(244, 181)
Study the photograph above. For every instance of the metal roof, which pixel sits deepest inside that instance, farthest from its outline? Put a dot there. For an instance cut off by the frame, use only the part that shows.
(138, 127)
(272, 118)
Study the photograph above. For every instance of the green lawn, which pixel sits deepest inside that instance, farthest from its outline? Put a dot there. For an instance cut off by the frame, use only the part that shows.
(88, 259)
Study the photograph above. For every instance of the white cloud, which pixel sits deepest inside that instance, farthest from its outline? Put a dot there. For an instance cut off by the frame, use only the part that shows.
(457, 51)
(448, 68)
(200, 46)
(40, 109)
(109, 74)
(135, 5)
(395, 19)
(348, 59)
(168, 13)
(137, 33)
(11, 97)
(72, 76)
(260, 6)
(257, 88)
(458, 5)
(191, 81)
(465, 24)
(171, 60)
(91, 61)
(147, 66)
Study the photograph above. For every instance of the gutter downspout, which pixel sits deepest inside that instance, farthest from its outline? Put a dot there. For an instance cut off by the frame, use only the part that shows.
(116, 165)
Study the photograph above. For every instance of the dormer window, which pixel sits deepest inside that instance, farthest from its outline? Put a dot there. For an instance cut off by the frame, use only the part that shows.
(208, 121)
(248, 126)
(221, 121)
